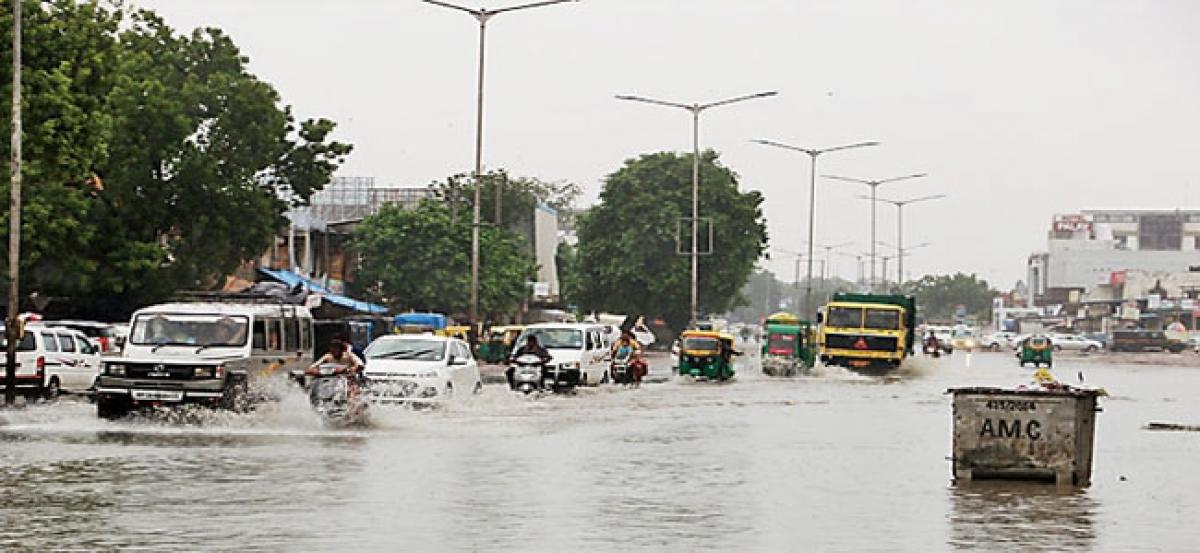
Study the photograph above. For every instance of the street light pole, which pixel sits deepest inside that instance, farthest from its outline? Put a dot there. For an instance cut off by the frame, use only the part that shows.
(812, 153)
(14, 218)
(874, 184)
(482, 15)
(695, 109)
(900, 226)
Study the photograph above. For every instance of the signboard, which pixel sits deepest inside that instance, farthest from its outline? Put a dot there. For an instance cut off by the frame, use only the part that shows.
(541, 289)
(1071, 222)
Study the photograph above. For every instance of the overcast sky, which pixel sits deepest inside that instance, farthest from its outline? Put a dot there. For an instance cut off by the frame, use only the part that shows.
(1017, 110)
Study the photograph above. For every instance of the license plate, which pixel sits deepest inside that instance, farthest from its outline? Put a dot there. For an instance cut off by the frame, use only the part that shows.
(157, 395)
(859, 363)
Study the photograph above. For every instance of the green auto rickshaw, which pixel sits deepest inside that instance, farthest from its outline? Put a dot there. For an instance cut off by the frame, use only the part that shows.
(706, 354)
(1036, 350)
(499, 343)
(787, 345)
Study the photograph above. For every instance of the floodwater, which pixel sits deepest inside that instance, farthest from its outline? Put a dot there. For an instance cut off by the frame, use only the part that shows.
(832, 462)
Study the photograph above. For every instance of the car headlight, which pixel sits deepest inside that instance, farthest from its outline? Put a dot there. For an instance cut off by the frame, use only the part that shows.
(571, 365)
(114, 369)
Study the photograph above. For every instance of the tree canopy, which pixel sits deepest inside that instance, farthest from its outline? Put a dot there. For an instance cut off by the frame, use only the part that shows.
(420, 258)
(938, 296)
(154, 161)
(628, 260)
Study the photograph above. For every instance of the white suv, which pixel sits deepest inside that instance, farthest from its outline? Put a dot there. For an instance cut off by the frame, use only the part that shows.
(51, 360)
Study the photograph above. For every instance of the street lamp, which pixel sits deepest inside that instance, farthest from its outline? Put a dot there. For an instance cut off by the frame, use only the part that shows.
(874, 184)
(695, 110)
(482, 15)
(813, 153)
(900, 226)
(829, 256)
(901, 253)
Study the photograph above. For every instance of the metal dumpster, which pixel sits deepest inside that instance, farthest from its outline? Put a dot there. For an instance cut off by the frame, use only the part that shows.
(1024, 434)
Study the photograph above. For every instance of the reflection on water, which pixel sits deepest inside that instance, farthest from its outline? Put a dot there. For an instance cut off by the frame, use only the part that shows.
(1024, 517)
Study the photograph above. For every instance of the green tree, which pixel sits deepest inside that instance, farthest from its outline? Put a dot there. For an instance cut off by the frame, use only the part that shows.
(519, 196)
(198, 157)
(420, 259)
(938, 296)
(628, 260)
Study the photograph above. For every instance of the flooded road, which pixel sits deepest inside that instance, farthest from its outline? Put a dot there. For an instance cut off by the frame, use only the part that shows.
(833, 462)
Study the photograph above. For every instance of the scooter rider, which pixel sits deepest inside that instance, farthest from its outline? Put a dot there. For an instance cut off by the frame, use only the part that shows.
(627, 344)
(531, 347)
(339, 354)
(931, 342)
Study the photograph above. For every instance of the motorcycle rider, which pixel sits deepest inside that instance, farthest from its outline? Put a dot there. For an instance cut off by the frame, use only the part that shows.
(339, 354)
(531, 347)
(931, 343)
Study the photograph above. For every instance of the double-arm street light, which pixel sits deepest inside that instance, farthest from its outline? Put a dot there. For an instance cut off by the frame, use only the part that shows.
(482, 15)
(813, 153)
(901, 253)
(695, 110)
(874, 184)
(900, 226)
(829, 256)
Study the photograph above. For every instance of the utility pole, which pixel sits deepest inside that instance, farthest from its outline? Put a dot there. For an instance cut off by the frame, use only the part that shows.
(874, 184)
(11, 328)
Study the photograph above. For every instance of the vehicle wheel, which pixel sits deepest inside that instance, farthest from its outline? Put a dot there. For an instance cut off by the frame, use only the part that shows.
(111, 408)
(449, 391)
(1057, 348)
(1089, 349)
(52, 390)
(1022, 363)
(605, 379)
(478, 387)
(994, 347)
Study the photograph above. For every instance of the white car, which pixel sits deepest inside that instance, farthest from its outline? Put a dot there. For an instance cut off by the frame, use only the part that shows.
(1072, 342)
(573, 347)
(420, 368)
(51, 360)
(997, 341)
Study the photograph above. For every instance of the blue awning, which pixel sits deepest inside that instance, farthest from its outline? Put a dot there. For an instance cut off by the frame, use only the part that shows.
(436, 321)
(292, 279)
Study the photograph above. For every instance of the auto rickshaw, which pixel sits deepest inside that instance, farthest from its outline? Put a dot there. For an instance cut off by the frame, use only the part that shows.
(499, 343)
(706, 354)
(787, 345)
(1036, 350)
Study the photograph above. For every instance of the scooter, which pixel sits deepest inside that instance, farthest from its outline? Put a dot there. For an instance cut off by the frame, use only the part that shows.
(627, 369)
(932, 347)
(331, 396)
(528, 371)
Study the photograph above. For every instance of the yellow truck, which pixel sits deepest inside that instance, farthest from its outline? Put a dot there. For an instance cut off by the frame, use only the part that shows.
(867, 332)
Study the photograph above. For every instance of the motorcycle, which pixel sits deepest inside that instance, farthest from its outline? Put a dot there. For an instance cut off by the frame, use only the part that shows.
(932, 347)
(331, 395)
(626, 369)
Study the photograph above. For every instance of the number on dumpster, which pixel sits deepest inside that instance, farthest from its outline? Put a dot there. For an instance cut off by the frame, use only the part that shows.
(1015, 428)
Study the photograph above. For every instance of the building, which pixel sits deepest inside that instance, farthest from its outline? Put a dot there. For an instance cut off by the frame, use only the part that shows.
(1103, 266)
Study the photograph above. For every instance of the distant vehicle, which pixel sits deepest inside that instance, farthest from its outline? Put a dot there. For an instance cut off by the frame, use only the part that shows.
(1074, 342)
(1101, 337)
(964, 338)
(1194, 342)
(945, 337)
(1145, 340)
(54, 359)
(997, 341)
(105, 337)
(416, 368)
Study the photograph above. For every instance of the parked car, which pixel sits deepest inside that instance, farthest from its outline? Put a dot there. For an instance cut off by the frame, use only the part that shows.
(105, 337)
(1101, 337)
(1145, 340)
(420, 368)
(53, 359)
(1074, 342)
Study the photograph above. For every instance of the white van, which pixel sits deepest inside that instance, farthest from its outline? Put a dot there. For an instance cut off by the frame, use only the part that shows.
(208, 353)
(53, 359)
(574, 347)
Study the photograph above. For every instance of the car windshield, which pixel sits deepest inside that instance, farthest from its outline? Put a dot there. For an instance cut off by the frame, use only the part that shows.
(701, 343)
(420, 350)
(963, 333)
(882, 319)
(189, 330)
(845, 317)
(555, 338)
